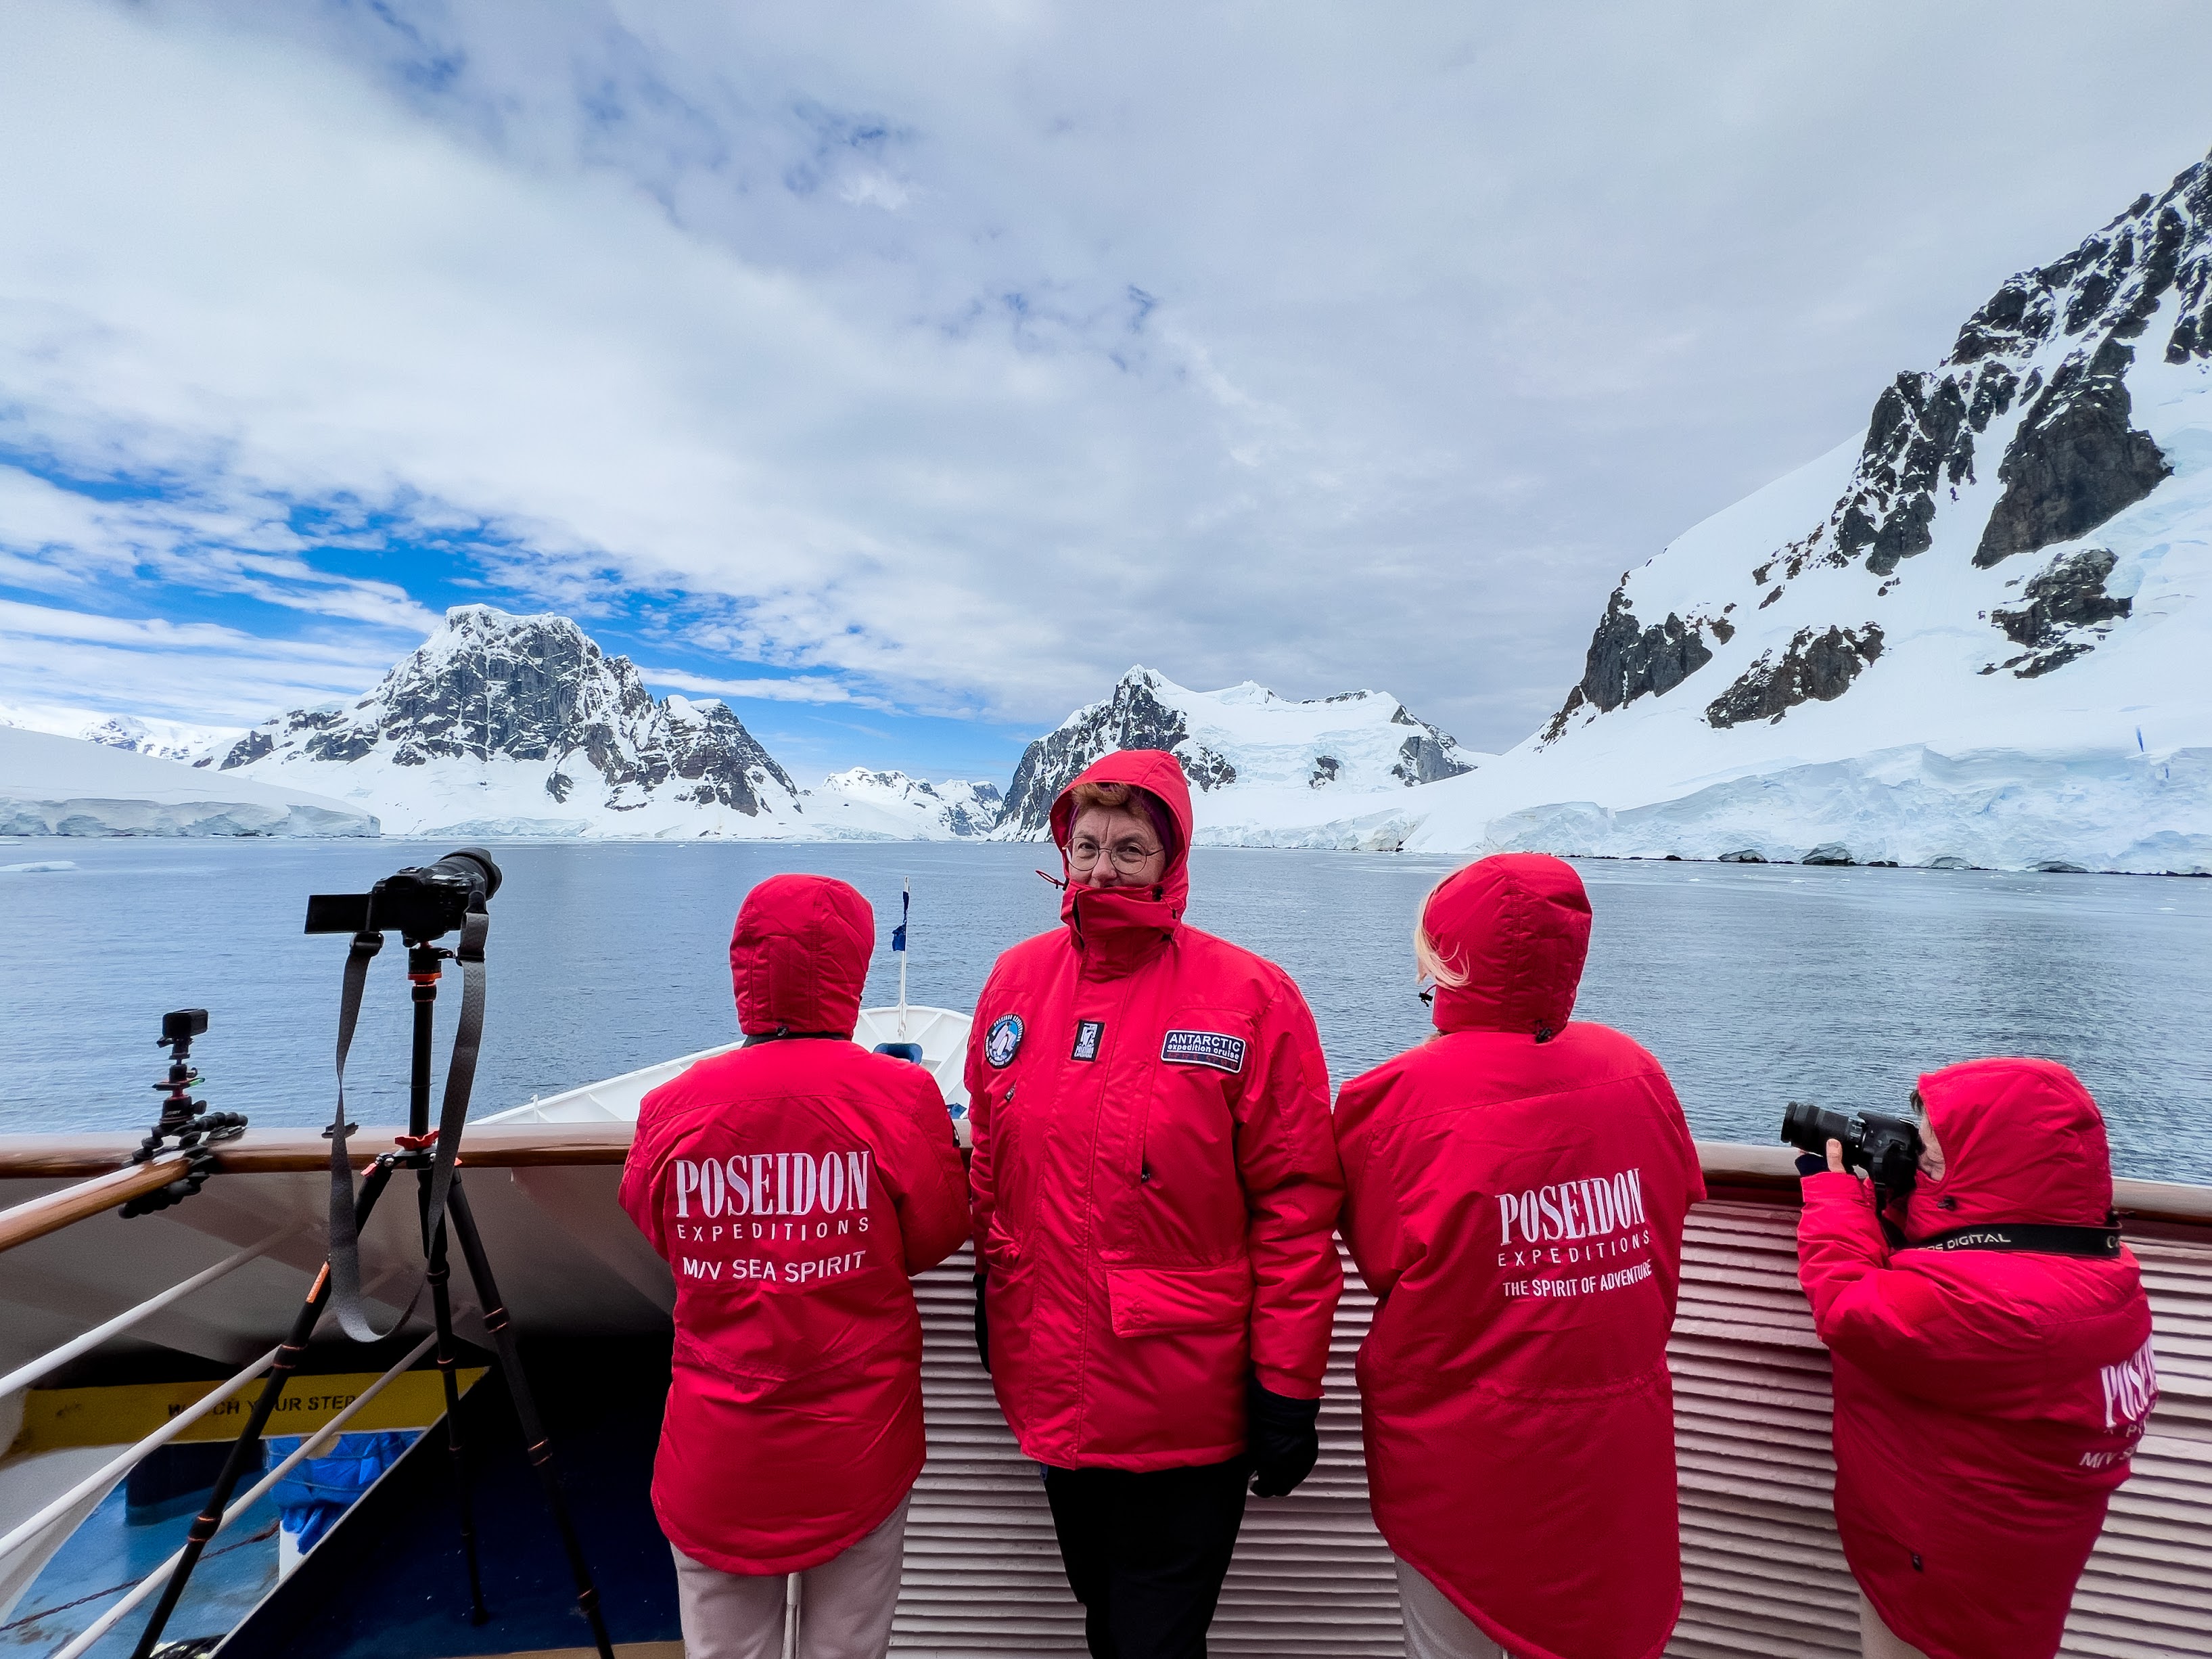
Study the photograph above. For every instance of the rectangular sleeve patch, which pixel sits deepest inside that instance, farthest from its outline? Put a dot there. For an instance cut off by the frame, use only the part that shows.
(1216, 1048)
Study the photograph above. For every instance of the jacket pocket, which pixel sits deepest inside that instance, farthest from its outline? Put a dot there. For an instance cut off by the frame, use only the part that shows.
(1151, 1301)
(1001, 1255)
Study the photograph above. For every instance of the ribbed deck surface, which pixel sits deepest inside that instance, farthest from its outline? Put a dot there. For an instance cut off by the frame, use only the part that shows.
(1762, 1573)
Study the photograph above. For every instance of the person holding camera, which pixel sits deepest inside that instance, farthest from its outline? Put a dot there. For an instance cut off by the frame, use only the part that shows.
(1993, 1365)
(795, 1185)
(1515, 1193)
(1155, 1190)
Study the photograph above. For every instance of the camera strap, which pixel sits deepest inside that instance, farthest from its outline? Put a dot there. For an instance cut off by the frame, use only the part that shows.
(460, 1077)
(2041, 1238)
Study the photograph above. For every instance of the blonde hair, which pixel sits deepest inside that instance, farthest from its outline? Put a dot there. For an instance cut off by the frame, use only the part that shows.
(1429, 961)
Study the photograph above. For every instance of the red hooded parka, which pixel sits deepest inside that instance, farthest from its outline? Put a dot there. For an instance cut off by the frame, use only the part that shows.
(1155, 1185)
(793, 1186)
(1514, 1191)
(1987, 1403)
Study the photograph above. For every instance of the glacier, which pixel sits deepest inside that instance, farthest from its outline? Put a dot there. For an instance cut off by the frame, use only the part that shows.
(61, 786)
(164, 740)
(1990, 809)
(861, 805)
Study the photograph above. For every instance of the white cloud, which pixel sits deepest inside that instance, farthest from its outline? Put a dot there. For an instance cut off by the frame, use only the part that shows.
(972, 353)
(194, 672)
(800, 688)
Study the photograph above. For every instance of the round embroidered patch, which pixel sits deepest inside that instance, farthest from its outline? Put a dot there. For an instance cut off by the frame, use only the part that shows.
(1003, 1040)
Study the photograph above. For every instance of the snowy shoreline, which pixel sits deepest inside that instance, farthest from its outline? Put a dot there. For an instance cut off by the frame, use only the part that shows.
(34, 843)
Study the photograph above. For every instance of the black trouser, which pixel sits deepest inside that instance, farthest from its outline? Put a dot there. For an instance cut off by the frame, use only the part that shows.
(1146, 1553)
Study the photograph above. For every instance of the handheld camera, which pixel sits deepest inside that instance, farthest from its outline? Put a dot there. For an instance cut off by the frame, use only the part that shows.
(1885, 1148)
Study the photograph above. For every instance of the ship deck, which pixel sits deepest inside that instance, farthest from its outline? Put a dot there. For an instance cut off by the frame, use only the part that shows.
(1763, 1572)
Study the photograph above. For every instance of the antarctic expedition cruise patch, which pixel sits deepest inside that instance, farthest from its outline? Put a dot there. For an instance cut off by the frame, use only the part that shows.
(1215, 1049)
(1003, 1040)
(1088, 1035)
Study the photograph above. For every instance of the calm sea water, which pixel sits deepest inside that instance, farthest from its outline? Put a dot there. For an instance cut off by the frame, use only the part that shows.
(1754, 985)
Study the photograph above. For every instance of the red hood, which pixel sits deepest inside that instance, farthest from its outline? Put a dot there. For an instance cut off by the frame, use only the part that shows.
(1517, 925)
(1127, 921)
(2022, 1141)
(798, 955)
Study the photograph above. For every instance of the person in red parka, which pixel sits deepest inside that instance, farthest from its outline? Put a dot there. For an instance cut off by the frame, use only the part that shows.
(794, 1185)
(1993, 1368)
(1515, 1193)
(1155, 1187)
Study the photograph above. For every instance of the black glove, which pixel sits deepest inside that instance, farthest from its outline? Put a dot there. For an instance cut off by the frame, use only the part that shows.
(1283, 1439)
(1811, 1164)
(983, 1326)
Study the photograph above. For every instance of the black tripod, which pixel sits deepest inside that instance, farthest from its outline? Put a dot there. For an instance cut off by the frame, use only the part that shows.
(430, 1153)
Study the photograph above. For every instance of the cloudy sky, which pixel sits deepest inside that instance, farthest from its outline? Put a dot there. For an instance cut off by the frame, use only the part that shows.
(904, 372)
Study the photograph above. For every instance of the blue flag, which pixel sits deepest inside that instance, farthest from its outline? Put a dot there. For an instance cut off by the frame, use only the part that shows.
(898, 933)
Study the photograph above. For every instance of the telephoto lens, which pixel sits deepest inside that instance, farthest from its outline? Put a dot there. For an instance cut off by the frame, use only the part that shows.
(420, 904)
(1885, 1149)
(469, 866)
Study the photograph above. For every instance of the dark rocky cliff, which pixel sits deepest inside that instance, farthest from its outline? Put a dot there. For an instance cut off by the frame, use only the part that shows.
(2041, 369)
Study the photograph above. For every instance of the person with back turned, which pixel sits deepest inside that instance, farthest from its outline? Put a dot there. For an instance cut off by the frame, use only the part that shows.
(1993, 1366)
(1515, 1193)
(1155, 1188)
(795, 1185)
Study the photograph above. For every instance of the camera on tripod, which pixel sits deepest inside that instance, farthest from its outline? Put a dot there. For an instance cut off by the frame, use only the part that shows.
(1885, 1148)
(419, 904)
(178, 1028)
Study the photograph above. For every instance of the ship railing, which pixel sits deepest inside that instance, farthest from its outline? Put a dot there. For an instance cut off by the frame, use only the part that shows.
(1763, 1570)
(314, 1445)
(27, 1546)
(54, 1358)
(21, 1223)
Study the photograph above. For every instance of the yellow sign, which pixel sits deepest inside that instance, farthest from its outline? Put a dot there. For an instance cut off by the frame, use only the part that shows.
(122, 1416)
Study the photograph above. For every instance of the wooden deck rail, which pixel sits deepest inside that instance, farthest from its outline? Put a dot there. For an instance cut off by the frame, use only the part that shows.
(106, 1176)
(101, 1164)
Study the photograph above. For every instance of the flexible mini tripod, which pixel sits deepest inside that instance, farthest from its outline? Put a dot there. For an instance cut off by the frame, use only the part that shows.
(431, 1153)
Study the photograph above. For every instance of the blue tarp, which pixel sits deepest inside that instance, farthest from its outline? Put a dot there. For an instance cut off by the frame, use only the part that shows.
(320, 1489)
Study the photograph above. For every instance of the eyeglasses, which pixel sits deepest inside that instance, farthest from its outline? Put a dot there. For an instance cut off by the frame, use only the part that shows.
(1130, 855)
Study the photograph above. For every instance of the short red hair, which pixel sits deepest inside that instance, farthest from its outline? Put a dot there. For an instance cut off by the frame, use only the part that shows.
(1126, 797)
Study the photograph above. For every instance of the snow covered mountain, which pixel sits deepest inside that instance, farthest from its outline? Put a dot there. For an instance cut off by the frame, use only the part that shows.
(499, 725)
(891, 805)
(163, 739)
(1978, 631)
(1263, 770)
(63, 786)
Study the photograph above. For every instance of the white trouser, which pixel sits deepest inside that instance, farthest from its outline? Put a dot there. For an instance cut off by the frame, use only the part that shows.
(844, 1605)
(1876, 1640)
(1435, 1629)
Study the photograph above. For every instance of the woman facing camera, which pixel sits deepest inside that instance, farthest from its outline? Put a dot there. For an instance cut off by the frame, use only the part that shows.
(1993, 1364)
(1155, 1196)
(1514, 1190)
